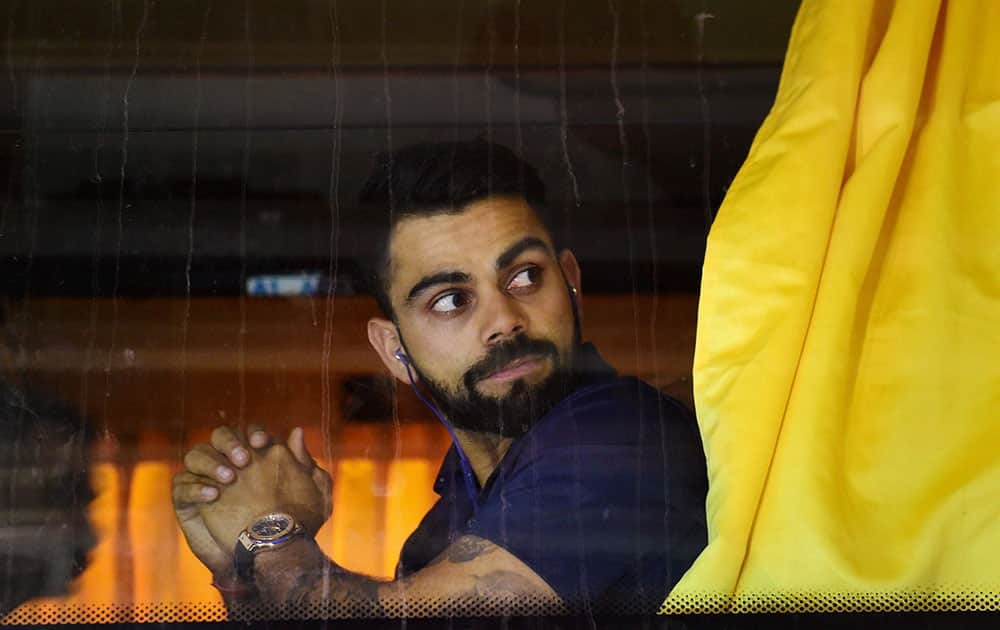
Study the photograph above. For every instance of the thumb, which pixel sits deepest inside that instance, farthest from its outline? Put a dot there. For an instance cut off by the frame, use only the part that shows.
(297, 445)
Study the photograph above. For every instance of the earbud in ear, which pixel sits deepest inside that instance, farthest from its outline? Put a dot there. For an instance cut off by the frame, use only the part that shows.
(399, 356)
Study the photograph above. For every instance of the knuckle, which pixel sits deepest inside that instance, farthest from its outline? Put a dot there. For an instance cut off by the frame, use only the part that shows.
(279, 451)
(182, 492)
(257, 436)
(190, 460)
(222, 435)
(206, 451)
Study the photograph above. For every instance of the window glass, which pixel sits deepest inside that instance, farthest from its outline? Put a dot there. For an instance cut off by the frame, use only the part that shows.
(184, 243)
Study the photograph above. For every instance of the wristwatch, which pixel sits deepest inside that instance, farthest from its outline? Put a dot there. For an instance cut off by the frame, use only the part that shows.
(269, 532)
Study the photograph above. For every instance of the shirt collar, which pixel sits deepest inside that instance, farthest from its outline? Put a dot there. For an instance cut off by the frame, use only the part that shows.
(589, 369)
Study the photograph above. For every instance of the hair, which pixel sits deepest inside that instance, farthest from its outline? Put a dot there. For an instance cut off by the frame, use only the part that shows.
(439, 178)
(44, 458)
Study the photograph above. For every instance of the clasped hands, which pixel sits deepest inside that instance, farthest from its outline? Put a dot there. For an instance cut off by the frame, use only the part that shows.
(236, 478)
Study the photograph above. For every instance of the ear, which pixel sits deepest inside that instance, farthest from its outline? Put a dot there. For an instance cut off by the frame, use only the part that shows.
(571, 271)
(384, 338)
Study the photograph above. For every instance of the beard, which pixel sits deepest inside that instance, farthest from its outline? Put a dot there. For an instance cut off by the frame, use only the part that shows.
(515, 412)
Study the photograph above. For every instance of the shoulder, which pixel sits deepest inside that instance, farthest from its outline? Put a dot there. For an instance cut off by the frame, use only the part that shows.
(621, 410)
(613, 431)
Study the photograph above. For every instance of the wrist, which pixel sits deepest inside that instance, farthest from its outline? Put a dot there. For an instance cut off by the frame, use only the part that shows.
(293, 552)
(301, 513)
(227, 581)
(279, 570)
(269, 534)
(232, 588)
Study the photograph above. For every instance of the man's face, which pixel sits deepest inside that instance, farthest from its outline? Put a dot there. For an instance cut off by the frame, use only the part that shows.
(482, 305)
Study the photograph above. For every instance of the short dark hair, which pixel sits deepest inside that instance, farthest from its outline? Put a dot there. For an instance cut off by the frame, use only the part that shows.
(439, 178)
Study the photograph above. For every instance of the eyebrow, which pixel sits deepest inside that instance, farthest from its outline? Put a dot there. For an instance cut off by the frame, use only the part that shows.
(443, 277)
(508, 256)
(511, 253)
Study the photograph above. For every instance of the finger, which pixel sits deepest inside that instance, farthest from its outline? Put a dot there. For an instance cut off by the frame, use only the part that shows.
(205, 461)
(190, 489)
(257, 437)
(324, 482)
(227, 442)
(297, 445)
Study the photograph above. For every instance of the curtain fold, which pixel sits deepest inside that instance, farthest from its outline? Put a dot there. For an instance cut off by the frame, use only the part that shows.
(847, 365)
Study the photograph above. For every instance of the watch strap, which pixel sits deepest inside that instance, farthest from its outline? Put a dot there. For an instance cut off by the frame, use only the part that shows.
(247, 547)
(243, 560)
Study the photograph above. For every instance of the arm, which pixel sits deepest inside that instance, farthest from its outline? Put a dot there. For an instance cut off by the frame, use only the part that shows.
(471, 570)
(212, 467)
(471, 576)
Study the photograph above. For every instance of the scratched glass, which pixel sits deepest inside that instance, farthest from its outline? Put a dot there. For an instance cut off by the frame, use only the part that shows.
(182, 247)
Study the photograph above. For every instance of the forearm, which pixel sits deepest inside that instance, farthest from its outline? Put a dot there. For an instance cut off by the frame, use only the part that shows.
(300, 578)
(235, 593)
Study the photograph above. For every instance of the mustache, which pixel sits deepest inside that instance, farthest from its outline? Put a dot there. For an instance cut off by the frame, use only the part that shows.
(506, 352)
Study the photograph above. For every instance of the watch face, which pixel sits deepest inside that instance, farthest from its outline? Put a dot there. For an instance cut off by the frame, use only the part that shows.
(271, 526)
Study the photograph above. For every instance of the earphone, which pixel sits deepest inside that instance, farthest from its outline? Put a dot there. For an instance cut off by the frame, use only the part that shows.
(471, 486)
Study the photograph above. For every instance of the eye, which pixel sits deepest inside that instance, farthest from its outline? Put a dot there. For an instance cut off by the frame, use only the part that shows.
(449, 303)
(525, 279)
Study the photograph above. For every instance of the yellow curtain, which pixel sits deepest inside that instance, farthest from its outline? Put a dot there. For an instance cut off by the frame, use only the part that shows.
(847, 370)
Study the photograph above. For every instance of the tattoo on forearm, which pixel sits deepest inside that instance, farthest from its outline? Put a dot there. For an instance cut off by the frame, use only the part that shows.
(468, 548)
(501, 584)
(316, 587)
(332, 585)
(352, 588)
(298, 594)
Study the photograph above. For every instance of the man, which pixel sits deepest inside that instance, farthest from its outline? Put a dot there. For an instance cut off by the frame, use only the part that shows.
(566, 486)
(45, 534)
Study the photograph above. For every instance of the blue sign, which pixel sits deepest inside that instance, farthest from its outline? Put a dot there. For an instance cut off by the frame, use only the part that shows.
(284, 285)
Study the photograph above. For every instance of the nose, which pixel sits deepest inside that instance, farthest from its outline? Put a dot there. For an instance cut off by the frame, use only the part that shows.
(504, 318)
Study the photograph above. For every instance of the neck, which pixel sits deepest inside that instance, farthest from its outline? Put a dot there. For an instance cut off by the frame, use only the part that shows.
(483, 450)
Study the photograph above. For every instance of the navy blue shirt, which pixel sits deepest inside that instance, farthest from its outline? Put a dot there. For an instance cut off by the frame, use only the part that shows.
(604, 498)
